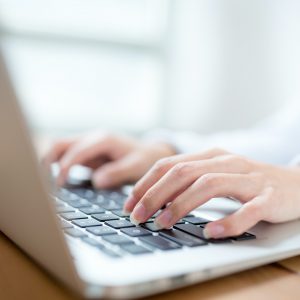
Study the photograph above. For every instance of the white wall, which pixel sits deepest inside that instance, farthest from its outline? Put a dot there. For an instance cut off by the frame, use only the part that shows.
(212, 65)
(232, 62)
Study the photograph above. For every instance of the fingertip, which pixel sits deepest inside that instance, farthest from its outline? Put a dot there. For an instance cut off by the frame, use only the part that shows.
(129, 204)
(60, 180)
(214, 230)
(102, 180)
(133, 220)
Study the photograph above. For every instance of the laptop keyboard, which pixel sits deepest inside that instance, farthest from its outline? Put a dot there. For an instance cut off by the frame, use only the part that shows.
(96, 217)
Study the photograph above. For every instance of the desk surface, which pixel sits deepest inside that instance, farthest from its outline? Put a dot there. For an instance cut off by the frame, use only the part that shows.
(20, 279)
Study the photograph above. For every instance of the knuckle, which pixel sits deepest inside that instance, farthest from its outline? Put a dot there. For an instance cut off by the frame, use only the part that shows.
(137, 191)
(217, 151)
(181, 169)
(162, 165)
(149, 196)
(176, 210)
(242, 161)
(208, 180)
(109, 138)
(230, 158)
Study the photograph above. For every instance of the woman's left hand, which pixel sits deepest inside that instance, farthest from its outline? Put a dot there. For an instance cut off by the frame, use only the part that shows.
(184, 182)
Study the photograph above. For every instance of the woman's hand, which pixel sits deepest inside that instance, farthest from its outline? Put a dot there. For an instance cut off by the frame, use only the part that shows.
(115, 159)
(184, 182)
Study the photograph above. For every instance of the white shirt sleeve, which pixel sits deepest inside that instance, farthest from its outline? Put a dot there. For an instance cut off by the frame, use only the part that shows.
(275, 140)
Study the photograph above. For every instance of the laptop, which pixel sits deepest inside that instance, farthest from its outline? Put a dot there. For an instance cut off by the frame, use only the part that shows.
(80, 235)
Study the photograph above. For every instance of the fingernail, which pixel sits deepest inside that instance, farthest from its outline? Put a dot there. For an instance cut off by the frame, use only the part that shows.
(157, 226)
(164, 219)
(213, 231)
(126, 212)
(129, 202)
(138, 214)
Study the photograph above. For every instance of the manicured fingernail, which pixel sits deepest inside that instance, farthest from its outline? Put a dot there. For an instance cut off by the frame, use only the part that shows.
(129, 204)
(133, 220)
(138, 214)
(164, 219)
(213, 231)
(157, 226)
(125, 212)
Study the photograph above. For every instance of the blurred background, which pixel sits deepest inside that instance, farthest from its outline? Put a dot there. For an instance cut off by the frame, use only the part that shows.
(134, 65)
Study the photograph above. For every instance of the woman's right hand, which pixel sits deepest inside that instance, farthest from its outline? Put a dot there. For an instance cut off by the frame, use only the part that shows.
(115, 159)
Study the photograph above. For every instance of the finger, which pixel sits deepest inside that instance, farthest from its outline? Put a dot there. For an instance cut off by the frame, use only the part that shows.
(79, 153)
(117, 172)
(179, 178)
(240, 186)
(56, 151)
(161, 168)
(96, 162)
(238, 222)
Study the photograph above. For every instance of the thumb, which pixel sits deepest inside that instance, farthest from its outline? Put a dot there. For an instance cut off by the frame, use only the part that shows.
(117, 172)
(235, 224)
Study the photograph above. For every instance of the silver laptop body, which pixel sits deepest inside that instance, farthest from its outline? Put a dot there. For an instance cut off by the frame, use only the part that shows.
(28, 218)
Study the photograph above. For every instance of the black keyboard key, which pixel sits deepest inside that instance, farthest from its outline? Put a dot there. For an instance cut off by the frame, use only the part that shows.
(107, 203)
(92, 210)
(244, 237)
(180, 221)
(136, 231)
(111, 194)
(65, 224)
(101, 230)
(159, 242)
(86, 222)
(191, 229)
(110, 252)
(64, 209)
(111, 205)
(198, 232)
(61, 192)
(135, 249)
(118, 224)
(195, 220)
(73, 216)
(93, 242)
(105, 217)
(150, 226)
(120, 213)
(79, 203)
(117, 239)
(156, 214)
(75, 233)
(98, 245)
(148, 221)
(189, 215)
(182, 238)
(84, 193)
(116, 195)
(67, 197)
